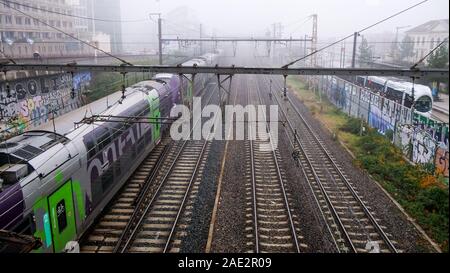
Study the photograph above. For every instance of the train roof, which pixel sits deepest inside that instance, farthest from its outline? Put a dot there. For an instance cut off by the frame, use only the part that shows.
(395, 85)
(194, 61)
(419, 89)
(31, 144)
(65, 124)
(379, 80)
(163, 76)
(401, 85)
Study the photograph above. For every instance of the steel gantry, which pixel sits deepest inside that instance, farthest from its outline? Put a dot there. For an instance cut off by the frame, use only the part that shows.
(234, 41)
(189, 72)
(230, 70)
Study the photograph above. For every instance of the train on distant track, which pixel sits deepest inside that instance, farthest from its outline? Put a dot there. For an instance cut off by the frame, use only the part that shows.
(400, 91)
(53, 186)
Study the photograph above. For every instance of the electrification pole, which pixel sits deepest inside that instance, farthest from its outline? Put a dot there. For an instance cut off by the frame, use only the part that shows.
(159, 41)
(201, 36)
(159, 36)
(355, 37)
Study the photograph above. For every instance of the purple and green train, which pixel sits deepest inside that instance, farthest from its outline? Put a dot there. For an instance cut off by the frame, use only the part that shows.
(54, 186)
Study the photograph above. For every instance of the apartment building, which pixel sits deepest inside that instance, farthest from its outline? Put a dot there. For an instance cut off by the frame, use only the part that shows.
(427, 36)
(26, 29)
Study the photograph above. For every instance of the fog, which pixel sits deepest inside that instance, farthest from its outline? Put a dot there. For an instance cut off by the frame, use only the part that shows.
(336, 18)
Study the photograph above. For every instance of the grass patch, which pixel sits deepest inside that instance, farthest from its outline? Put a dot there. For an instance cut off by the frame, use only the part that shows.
(421, 193)
(106, 83)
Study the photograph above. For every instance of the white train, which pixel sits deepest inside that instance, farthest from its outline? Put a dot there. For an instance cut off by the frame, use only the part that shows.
(400, 91)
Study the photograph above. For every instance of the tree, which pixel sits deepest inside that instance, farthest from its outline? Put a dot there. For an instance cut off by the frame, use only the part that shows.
(439, 59)
(365, 53)
(406, 49)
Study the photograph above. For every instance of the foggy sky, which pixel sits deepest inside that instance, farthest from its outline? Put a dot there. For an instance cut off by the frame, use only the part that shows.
(336, 18)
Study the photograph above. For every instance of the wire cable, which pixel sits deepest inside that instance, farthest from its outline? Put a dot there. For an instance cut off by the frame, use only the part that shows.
(429, 53)
(346, 37)
(8, 57)
(76, 16)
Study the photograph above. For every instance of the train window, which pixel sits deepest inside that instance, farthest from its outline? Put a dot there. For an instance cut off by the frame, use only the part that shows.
(103, 138)
(360, 81)
(394, 95)
(423, 104)
(408, 101)
(117, 130)
(61, 215)
(90, 146)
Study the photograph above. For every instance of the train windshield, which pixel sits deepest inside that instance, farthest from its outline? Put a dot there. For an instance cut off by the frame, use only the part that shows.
(423, 104)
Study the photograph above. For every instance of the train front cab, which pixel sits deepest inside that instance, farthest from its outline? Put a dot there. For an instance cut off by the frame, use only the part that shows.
(43, 202)
(59, 212)
(61, 220)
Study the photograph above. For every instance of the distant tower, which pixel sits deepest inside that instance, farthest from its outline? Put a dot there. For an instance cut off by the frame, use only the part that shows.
(108, 10)
(314, 41)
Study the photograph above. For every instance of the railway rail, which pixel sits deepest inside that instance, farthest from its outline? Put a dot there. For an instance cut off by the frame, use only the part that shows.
(159, 220)
(106, 231)
(354, 227)
(152, 212)
(275, 225)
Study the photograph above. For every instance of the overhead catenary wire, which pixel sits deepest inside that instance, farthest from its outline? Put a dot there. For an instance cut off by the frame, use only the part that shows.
(429, 53)
(76, 16)
(8, 57)
(351, 35)
(69, 35)
(109, 138)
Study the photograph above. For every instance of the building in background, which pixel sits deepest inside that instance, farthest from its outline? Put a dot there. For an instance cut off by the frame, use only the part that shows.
(427, 36)
(26, 37)
(109, 12)
(102, 41)
(81, 26)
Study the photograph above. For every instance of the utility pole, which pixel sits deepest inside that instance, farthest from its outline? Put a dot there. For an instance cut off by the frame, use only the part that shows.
(201, 36)
(159, 35)
(93, 30)
(355, 37)
(304, 50)
(159, 41)
(274, 36)
(342, 59)
(395, 46)
(314, 41)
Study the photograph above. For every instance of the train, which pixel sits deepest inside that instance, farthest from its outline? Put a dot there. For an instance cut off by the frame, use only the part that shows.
(54, 186)
(400, 91)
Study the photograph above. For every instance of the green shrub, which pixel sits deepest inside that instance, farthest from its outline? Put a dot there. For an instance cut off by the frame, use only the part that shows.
(352, 125)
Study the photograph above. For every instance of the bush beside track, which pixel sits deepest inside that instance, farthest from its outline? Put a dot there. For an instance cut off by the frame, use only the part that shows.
(416, 188)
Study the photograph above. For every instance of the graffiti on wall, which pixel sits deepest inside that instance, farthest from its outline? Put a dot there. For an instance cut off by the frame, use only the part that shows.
(424, 142)
(424, 147)
(442, 161)
(31, 102)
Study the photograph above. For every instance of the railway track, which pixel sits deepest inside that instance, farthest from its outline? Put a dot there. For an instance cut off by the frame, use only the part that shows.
(274, 223)
(106, 232)
(352, 224)
(156, 225)
(160, 220)
(152, 212)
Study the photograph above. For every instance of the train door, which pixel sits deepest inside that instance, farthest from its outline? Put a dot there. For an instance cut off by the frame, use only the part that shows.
(62, 216)
(155, 115)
